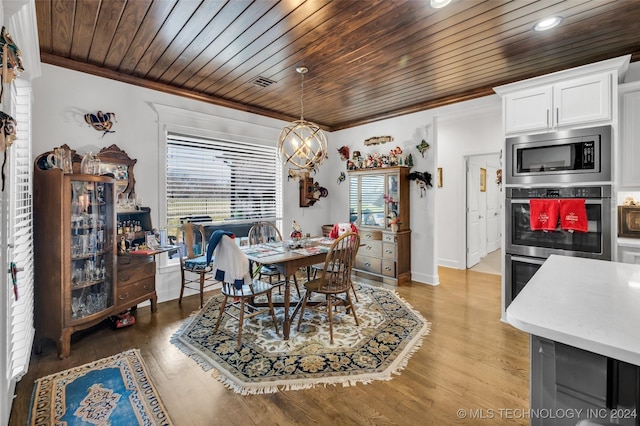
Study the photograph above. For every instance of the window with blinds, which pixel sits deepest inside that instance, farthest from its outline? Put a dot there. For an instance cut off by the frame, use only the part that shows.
(21, 331)
(220, 180)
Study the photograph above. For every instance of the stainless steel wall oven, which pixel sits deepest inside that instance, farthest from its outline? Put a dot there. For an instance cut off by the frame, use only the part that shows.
(526, 249)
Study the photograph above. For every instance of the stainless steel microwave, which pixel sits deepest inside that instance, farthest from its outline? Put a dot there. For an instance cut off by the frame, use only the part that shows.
(563, 157)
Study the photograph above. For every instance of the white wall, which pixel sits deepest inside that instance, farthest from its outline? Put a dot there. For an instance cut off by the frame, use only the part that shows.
(473, 128)
(407, 132)
(62, 97)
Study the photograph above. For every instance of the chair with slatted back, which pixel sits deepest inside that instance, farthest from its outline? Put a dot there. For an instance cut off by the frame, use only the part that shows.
(266, 232)
(334, 280)
(337, 230)
(195, 272)
(240, 290)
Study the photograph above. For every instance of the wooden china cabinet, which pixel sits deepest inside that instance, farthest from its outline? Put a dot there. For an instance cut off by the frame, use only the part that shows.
(80, 276)
(375, 197)
(75, 253)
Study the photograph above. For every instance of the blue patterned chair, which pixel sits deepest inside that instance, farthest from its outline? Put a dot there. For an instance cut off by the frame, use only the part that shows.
(196, 274)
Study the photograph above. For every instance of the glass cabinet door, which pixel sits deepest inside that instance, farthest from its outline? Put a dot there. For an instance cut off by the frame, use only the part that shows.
(92, 217)
(393, 196)
(372, 202)
(354, 201)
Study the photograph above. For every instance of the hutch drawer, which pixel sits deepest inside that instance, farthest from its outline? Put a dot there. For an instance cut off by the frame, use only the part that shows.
(139, 289)
(132, 273)
(369, 264)
(371, 248)
(388, 268)
(388, 251)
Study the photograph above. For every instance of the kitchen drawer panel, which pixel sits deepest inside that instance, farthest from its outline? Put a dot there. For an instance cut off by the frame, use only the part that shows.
(389, 251)
(135, 290)
(130, 274)
(371, 248)
(369, 264)
(370, 235)
(133, 260)
(389, 268)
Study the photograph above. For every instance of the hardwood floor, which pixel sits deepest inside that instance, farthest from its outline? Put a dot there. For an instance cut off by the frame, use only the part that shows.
(469, 361)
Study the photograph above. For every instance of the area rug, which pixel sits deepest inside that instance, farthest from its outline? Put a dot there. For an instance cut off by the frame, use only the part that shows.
(390, 331)
(110, 391)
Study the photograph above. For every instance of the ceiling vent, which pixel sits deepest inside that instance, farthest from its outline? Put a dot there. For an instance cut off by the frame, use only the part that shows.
(262, 81)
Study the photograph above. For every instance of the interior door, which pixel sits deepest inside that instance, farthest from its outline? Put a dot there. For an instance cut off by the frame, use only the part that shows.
(473, 212)
(493, 211)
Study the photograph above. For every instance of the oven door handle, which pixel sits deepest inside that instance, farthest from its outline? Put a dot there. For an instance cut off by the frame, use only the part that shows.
(527, 260)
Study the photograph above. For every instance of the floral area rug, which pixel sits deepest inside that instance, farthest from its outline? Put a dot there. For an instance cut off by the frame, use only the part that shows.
(390, 331)
(110, 391)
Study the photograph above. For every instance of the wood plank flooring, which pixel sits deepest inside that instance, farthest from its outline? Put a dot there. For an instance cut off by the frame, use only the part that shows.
(469, 361)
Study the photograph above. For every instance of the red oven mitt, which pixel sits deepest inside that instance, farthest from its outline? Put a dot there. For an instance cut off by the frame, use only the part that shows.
(543, 214)
(573, 215)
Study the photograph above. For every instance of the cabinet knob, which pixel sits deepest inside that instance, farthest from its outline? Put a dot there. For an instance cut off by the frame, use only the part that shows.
(367, 264)
(387, 268)
(388, 251)
(123, 296)
(124, 277)
(368, 247)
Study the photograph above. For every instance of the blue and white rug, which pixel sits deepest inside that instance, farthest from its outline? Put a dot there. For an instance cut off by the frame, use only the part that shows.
(110, 391)
(390, 331)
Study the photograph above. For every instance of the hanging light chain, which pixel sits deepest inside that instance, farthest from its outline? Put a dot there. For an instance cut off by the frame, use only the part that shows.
(301, 96)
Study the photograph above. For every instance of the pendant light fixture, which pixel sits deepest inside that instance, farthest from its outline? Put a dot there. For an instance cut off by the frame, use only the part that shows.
(302, 145)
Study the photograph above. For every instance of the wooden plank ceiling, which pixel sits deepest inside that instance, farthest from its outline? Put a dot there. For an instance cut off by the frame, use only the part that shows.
(367, 59)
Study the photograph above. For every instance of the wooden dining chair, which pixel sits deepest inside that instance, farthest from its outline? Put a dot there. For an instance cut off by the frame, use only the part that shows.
(266, 232)
(195, 273)
(337, 230)
(239, 289)
(334, 280)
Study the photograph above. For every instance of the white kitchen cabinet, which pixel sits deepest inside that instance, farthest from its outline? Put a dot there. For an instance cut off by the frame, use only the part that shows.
(528, 110)
(583, 100)
(630, 136)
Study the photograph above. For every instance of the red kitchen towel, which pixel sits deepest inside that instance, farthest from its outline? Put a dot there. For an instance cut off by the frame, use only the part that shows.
(543, 214)
(573, 215)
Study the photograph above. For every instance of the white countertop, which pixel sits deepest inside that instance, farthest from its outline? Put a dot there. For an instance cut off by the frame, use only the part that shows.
(589, 304)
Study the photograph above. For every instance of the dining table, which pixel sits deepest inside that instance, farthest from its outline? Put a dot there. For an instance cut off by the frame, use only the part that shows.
(288, 257)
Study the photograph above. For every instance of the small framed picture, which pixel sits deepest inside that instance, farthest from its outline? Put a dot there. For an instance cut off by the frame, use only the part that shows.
(483, 179)
(439, 177)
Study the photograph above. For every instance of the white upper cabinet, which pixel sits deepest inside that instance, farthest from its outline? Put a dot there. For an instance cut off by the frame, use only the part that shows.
(582, 100)
(568, 103)
(528, 110)
(572, 98)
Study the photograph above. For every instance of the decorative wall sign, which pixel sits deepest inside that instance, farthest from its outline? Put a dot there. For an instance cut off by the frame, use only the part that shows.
(483, 179)
(376, 140)
(439, 177)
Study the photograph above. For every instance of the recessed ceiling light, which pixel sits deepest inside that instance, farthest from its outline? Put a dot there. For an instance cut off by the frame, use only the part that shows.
(548, 23)
(439, 3)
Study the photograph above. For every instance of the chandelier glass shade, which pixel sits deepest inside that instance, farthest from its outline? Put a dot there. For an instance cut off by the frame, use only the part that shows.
(302, 145)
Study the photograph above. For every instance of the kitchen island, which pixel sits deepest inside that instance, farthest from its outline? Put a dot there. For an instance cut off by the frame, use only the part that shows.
(584, 319)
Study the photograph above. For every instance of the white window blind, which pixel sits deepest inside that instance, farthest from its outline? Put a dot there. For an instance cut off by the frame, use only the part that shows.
(21, 214)
(221, 180)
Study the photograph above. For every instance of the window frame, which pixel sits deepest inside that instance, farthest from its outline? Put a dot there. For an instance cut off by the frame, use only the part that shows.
(225, 126)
